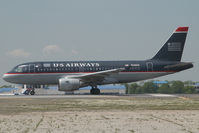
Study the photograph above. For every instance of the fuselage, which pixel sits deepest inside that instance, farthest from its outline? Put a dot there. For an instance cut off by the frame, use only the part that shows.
(50, 72)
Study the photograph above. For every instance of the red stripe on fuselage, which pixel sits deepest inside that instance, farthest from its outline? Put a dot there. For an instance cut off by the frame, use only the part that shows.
(83, 72)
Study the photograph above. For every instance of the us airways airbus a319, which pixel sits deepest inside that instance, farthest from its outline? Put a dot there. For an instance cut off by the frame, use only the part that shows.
(72, 75)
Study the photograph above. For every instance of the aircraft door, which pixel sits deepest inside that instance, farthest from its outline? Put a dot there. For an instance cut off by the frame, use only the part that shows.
(31, 68)
(149, 66)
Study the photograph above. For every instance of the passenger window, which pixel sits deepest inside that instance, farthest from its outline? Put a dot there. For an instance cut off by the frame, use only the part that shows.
(77, 69)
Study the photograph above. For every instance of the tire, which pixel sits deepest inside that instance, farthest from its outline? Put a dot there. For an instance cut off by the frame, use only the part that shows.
(92, 91)
(95, 91)
(32, 92)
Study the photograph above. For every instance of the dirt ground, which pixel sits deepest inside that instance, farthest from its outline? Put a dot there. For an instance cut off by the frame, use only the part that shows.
(99, 115)
(102, 122)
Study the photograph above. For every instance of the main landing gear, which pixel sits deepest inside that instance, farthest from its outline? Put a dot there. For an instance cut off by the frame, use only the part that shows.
(32, 92)
(95, 90)
(29, 91)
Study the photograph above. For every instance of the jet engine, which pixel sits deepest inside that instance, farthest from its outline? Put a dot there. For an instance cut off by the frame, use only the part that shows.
(66, 84)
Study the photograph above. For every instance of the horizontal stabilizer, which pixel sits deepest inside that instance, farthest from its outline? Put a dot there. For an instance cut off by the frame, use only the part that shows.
(179, 66)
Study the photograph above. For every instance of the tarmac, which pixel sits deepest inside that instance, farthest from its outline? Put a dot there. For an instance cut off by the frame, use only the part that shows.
(87, 96)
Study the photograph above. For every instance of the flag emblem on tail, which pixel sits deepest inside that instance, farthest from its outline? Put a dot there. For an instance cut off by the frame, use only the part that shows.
(174, 46)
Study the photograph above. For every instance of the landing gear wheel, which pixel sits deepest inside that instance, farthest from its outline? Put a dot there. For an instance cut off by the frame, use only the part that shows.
(95, 91)
(92, 91)
(32, 92)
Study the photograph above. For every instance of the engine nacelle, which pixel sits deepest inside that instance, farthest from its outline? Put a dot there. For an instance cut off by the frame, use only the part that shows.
(66, 84)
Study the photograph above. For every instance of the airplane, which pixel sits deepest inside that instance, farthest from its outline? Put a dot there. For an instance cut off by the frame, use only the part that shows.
(72, 75)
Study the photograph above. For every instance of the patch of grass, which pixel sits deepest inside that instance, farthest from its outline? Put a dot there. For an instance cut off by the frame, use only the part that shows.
(132, 131)
(21, 105)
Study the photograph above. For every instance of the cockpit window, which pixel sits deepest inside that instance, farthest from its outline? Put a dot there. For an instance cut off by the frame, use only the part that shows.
(18, 69)
(22, 68)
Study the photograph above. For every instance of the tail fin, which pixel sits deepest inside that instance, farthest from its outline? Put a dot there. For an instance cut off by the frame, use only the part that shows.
(173, 48)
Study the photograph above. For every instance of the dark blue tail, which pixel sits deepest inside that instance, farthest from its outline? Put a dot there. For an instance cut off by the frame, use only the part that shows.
(173, 48)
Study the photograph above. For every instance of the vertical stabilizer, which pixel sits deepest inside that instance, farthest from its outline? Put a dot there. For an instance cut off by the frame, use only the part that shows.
(172, 50)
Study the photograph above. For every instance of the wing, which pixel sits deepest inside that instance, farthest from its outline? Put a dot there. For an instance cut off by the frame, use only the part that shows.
(97, 76)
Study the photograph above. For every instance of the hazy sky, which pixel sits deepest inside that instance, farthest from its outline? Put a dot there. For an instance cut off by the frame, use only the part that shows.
(41, 30)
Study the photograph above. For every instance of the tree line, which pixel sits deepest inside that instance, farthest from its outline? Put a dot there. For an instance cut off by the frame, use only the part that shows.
(173, 87)
(6, 86)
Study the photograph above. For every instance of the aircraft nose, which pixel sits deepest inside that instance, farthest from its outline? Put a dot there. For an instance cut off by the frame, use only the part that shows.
(6, 77)
(9, 77)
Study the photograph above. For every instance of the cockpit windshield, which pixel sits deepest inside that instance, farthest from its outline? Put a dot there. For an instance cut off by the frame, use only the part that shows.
(22, 68)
